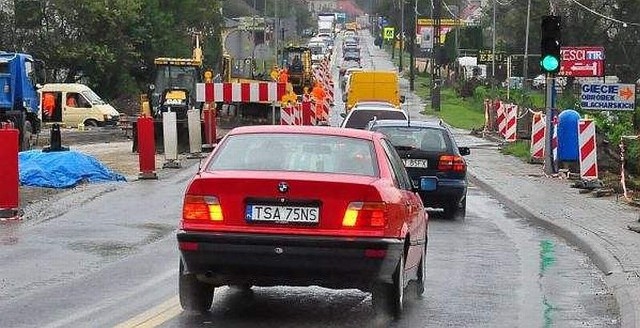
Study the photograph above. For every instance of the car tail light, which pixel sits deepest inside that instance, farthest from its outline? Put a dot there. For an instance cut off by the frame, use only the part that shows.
(451, 163)
(365, 214)
(202, 208)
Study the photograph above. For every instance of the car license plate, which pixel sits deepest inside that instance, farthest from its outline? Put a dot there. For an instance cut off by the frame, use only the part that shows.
(428, 183)
(282, 214)
(413, 162)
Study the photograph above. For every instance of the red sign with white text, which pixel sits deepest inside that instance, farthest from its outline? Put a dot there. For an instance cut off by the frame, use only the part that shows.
(582, 61)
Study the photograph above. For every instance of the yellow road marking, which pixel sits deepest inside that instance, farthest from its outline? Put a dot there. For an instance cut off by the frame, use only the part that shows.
(156, 316)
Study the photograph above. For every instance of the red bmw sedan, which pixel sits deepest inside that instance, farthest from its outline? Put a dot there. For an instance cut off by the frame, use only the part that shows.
(301, 206)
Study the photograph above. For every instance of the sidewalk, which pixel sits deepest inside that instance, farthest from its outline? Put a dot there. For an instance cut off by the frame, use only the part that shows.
(597, 226)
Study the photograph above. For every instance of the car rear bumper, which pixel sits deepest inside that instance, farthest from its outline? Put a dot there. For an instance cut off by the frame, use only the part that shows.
(271, 260)
(449, 191)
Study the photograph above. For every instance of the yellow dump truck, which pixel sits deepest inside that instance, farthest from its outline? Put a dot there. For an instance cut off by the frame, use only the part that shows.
(372, 86)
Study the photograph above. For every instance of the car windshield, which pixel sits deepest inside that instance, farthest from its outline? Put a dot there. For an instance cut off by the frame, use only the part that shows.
(296, 153)
(92, 97)
(359, 118)
(425, 139)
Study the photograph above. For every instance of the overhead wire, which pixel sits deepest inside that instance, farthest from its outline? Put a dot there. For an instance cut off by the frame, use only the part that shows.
(604, 16)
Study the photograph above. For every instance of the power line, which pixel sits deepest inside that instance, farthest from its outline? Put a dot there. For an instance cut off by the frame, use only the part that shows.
(624, 24)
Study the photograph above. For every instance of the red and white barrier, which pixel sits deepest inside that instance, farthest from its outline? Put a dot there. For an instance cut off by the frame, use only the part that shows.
(291, 115)
(511, 118)
(308, 115)
(501, 119)
(537, 136)
(587, 149)
(240, 92)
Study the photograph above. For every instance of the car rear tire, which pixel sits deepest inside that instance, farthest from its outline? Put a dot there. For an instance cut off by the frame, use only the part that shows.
(389, 298)
(456, 210)
(195, 295)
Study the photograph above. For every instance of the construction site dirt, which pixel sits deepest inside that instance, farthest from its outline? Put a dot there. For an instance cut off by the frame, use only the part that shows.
(112, 146)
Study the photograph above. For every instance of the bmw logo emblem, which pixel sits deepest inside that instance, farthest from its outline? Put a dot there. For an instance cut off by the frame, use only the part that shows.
(283, 187)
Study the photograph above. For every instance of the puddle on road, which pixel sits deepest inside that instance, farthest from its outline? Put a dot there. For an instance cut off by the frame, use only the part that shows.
(111, 249)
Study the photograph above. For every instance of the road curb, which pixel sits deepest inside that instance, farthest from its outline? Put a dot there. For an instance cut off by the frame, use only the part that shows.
(588, 242)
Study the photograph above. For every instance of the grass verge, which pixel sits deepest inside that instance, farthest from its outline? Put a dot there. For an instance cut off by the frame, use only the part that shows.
(456, 111)
(519, 149)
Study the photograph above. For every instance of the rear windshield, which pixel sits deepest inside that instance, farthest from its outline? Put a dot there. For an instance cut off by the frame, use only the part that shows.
(360, 118)
(296, 153)
(425, 139)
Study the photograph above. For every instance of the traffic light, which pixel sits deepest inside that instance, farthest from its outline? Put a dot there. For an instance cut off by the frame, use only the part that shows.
(550, 44)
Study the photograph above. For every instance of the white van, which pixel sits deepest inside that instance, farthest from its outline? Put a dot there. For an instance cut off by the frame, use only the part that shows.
(73, 104)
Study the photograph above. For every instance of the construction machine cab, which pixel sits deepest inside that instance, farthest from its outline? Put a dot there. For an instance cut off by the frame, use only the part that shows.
(298, 62)
(175, 82)
(238, 70)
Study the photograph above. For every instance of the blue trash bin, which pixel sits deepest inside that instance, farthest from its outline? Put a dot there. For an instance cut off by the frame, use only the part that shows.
(568, 136)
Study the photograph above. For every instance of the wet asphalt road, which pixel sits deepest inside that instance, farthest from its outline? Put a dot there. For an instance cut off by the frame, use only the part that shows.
(108, 256)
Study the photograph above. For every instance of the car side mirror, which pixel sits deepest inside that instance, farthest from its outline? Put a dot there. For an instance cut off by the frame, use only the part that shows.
(344, 97)
(464, 151)
(402, 99)
(343, 115)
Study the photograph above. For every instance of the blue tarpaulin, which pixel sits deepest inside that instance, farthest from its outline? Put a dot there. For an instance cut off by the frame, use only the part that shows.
(63, 169)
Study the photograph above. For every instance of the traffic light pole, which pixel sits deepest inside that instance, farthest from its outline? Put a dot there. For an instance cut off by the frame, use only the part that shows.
(549, 163)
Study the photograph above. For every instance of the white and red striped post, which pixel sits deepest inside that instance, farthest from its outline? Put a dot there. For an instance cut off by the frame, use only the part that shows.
(287, 115)
(537, 136)
(588, 150)
(511, 118)
(501, 119)
(308, 115)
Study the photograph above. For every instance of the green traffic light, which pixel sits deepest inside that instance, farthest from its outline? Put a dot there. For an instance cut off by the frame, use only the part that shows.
(550, 63)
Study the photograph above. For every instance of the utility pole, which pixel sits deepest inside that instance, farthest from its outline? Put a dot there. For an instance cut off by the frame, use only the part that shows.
(401, 35)
(412, 57)
(493, 48)
(525, 62)
(276, 30)
(437, 51)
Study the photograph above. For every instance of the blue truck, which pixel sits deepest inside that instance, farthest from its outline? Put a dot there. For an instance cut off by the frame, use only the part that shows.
(19, 100)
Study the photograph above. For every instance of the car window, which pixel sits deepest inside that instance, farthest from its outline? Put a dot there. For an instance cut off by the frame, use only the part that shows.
(401, 175)
(423, 138)
(296, 153)
(359, 118)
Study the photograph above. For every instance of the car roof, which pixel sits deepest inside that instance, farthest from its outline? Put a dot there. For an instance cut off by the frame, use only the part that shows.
(378, 108)
(296, 129)
(374, 103)
(412, 123)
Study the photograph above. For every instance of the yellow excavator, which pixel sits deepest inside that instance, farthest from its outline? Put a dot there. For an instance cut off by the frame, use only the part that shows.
(298, 62)
(173, 90)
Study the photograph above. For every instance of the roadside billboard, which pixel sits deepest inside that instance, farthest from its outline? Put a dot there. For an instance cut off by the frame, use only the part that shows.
(582, 61)
(603, 96)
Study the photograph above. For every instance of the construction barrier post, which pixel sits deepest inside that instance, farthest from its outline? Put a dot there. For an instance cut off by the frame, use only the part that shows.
(170, 135)
(146, 148)
(308, 116)
(210, 133)
(9, 173)
(195, 133)
(511, 128)
(588, 150)
(537, 137)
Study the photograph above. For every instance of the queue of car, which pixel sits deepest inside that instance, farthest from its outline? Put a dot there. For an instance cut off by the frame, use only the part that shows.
(334, 207)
